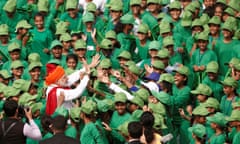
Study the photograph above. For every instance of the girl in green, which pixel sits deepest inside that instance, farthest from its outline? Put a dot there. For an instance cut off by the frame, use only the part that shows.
(214, 27)
(41, 39)
(65, 39)
(229, 88)
(71, 61)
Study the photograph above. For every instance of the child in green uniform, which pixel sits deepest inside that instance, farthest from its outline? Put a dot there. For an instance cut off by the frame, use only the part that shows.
(218, 123)
(234, 121)
(4, 41)
(202, 92)
(229, 87)
(71, 63)
(56, 52)
(65, 39)
(214, 28)
(198, 132)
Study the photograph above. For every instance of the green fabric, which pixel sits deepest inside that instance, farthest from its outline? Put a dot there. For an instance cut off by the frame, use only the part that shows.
(217, 139)
(236, 138)
(104, 133)
(117, 119)
(73, 23)
(226, 105)
(90, 134)
(141, 50)
(71, 132)
(47, 136)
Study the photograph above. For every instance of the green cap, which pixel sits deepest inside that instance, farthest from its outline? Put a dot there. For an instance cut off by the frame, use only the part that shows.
(123, 128)
(229, 81)
(175, 5)
(36, 106)
(198, 129)
(22, 84)
(196, 4)
(10, 5)
(218, 119)
(120, 97)
(105, 105)
(157, 108)
(129, 63)
(61, 27)
(43, 5)
(75, 114)
(16, 64)
(55, 61)
(158, 64)
(153, 1)
(4, 29)
(134, 69)
(221, 1)
(106, 44)
(61, 111)
(203, 36)
(237, 34)
(235, 116)
(26, 98)
(34, 65)
(105, 63)
(164, 27)
(71, 4)
(191, 8)
(202, 89)
(115, 5)
(186, 19)
(159, 122)
(229, 11)
(166, 77)
(13, 46)
(163, 97)
(138, 101)
(135, 2)
(212, 103)
(227, 26)
(201, 111)
(23, 24)
(212, 67)
(111, 35)
(143, 94)
(204, 18)
(236, 104)
(215, 20)
(11, 92)
(235, 4)
(127, 19)
(88, 17)
(168, 41)
(143, 28)
(80, 44)
(154, 45)
(183, 70)
(33, 57)
(125, 54)
(234, 61)
(163, 53)
(197, 22)
(55, 43)
(91, 7)
(5, 74)
(136, 115)
(237, 66)
(161, 15)
(65, 37)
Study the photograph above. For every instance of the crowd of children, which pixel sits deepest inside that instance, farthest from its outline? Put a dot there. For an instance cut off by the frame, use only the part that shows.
(159, 66)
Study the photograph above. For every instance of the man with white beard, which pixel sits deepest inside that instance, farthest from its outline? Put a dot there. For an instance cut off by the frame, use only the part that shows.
(58, 84)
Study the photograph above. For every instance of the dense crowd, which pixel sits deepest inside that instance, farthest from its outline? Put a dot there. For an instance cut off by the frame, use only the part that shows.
(120, 71)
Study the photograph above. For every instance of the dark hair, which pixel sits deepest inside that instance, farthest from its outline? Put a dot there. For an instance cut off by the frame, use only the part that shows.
(168, 86)
(209, 11)
(59, 122)
(147, 121)
(119, 27)
(72, 56)
(135, 129)
(46, 121)
(10, 107)
(223, 6)
(39, 15)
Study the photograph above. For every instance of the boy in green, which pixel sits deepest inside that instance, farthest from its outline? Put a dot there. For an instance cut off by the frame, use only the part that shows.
(90, 134)
(202, 93)
(56, 52)
(4, 41)
(218, 123)
(72, 16)
(142, 43)
(224, 48)
(41, 39)
(214, 28)
(234, 121)
(202, 56)
(34, 70)
(229, 87)
(66, 39)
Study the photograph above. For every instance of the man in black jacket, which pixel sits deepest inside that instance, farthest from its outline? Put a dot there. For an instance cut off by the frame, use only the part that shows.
(59, 126)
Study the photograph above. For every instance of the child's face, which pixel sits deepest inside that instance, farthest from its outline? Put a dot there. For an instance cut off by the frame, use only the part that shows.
(115, 14)
(212, 76)
(210, 109)
(72, 13)
(152, 7)
(120, 107)
(152, 99)
(66, 44)
(218, 12)
(15, 55)
(39, 22)
(57, 52)
(80, 53)
(17, 71)
(135, 9)
(196, 29)
(179, 79)
(132, 107)
(89, 24)
(228, 90)
(175, 14)
(214, 28)
(201, 98)
(4, 38)
(226, 33)
(142, 36)
(35, 73)
(202, 44)
(153, 53)
(71, 63)
(213, 125)
(208, 3)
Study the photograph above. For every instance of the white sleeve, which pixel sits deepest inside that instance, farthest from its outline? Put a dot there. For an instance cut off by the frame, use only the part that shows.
(117, 89)
(32, 131)
(71, 94)
(72, 78)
